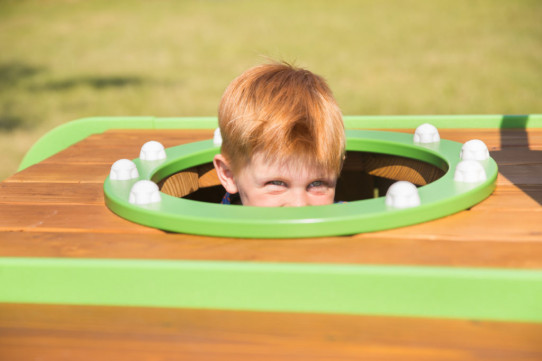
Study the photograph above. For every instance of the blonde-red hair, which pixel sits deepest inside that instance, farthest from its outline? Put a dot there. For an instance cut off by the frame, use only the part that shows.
(285, 114)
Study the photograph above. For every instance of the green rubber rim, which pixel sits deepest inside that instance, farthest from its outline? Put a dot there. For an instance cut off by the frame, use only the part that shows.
(440, 198)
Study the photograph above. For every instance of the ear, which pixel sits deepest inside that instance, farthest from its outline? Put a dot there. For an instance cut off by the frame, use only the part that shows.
(225, 175)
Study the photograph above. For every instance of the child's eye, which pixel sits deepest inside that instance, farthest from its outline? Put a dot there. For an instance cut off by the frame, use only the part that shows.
(318, 187)
(276, 183)
(317, 184)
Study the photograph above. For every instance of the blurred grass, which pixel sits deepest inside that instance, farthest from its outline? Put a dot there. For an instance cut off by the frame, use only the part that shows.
(64, 60)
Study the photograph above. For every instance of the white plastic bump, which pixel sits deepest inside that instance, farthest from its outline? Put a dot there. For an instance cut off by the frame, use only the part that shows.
(152, 150)
(402, 194)
(123, 169)
(469, 171)
(474, 150)
(426, 133)
(217, 138)
(144, 192)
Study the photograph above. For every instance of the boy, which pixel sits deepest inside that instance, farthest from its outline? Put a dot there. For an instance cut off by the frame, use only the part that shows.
(282, 138)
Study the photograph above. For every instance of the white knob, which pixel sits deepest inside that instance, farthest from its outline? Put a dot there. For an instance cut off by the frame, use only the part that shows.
(217, 138)
(469, 171)
(426, 133)
(152, 150)
(123, 169)
(144, 192)
(474, 150)
(402, 194)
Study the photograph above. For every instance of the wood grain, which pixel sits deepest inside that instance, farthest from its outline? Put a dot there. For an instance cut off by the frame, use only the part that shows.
(49, 332)
(64, 217)
(361, 249)
(181, 184)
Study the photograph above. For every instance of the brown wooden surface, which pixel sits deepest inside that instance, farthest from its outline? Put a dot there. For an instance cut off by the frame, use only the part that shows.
(49, 332)
(56, 209)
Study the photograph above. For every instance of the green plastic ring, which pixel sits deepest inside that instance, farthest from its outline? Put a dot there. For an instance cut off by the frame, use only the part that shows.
(438, 199)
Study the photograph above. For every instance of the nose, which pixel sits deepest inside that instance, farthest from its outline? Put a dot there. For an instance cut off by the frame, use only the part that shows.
(298, 199)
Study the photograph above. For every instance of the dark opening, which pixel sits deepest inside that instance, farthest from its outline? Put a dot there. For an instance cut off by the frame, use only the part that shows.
(365, 175)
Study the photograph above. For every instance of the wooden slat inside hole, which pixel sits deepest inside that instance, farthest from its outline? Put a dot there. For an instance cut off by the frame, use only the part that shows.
(181, 184)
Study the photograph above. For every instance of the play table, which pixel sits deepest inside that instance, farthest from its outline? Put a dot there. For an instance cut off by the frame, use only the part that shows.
(78, 282)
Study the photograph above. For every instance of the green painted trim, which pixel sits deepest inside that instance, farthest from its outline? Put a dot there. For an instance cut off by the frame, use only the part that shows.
(186, 123)
(72, 132)
(434, 292)
(528, 121)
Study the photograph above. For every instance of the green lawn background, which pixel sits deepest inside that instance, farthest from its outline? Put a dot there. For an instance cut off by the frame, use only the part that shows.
(64, 60)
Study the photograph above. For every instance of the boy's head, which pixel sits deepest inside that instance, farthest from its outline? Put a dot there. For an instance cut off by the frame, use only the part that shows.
(284, 122)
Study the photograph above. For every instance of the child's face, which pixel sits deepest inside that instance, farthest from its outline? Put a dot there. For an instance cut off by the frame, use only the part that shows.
(273, 185)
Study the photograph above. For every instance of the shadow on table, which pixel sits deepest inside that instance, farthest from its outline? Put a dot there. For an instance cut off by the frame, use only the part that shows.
(515, 153)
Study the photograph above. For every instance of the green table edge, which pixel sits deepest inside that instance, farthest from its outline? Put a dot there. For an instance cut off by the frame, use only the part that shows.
(403, 291)
(72, 132)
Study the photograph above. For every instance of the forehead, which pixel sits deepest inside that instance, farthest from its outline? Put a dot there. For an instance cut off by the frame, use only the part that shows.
(261, 167)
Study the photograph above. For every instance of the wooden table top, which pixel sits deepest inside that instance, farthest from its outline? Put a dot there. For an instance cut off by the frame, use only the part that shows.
(56, 209)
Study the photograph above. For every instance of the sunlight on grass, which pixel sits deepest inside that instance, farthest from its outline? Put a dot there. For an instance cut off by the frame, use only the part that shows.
(65, 60)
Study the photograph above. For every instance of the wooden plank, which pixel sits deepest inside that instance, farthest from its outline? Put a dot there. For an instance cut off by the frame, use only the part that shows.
(56, 193)
(181, 184)
(54, 332)
(528, 174)
(517, 156)
(62, 173)
(207, 176)
(111, 146)
(116, 144)
(468, 226)
(392, 167)
(359, 249)
(509, 198)
(497, 139)
(65, 218)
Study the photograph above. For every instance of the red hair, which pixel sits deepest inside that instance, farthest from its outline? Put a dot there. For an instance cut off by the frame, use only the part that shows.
(284, 114)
